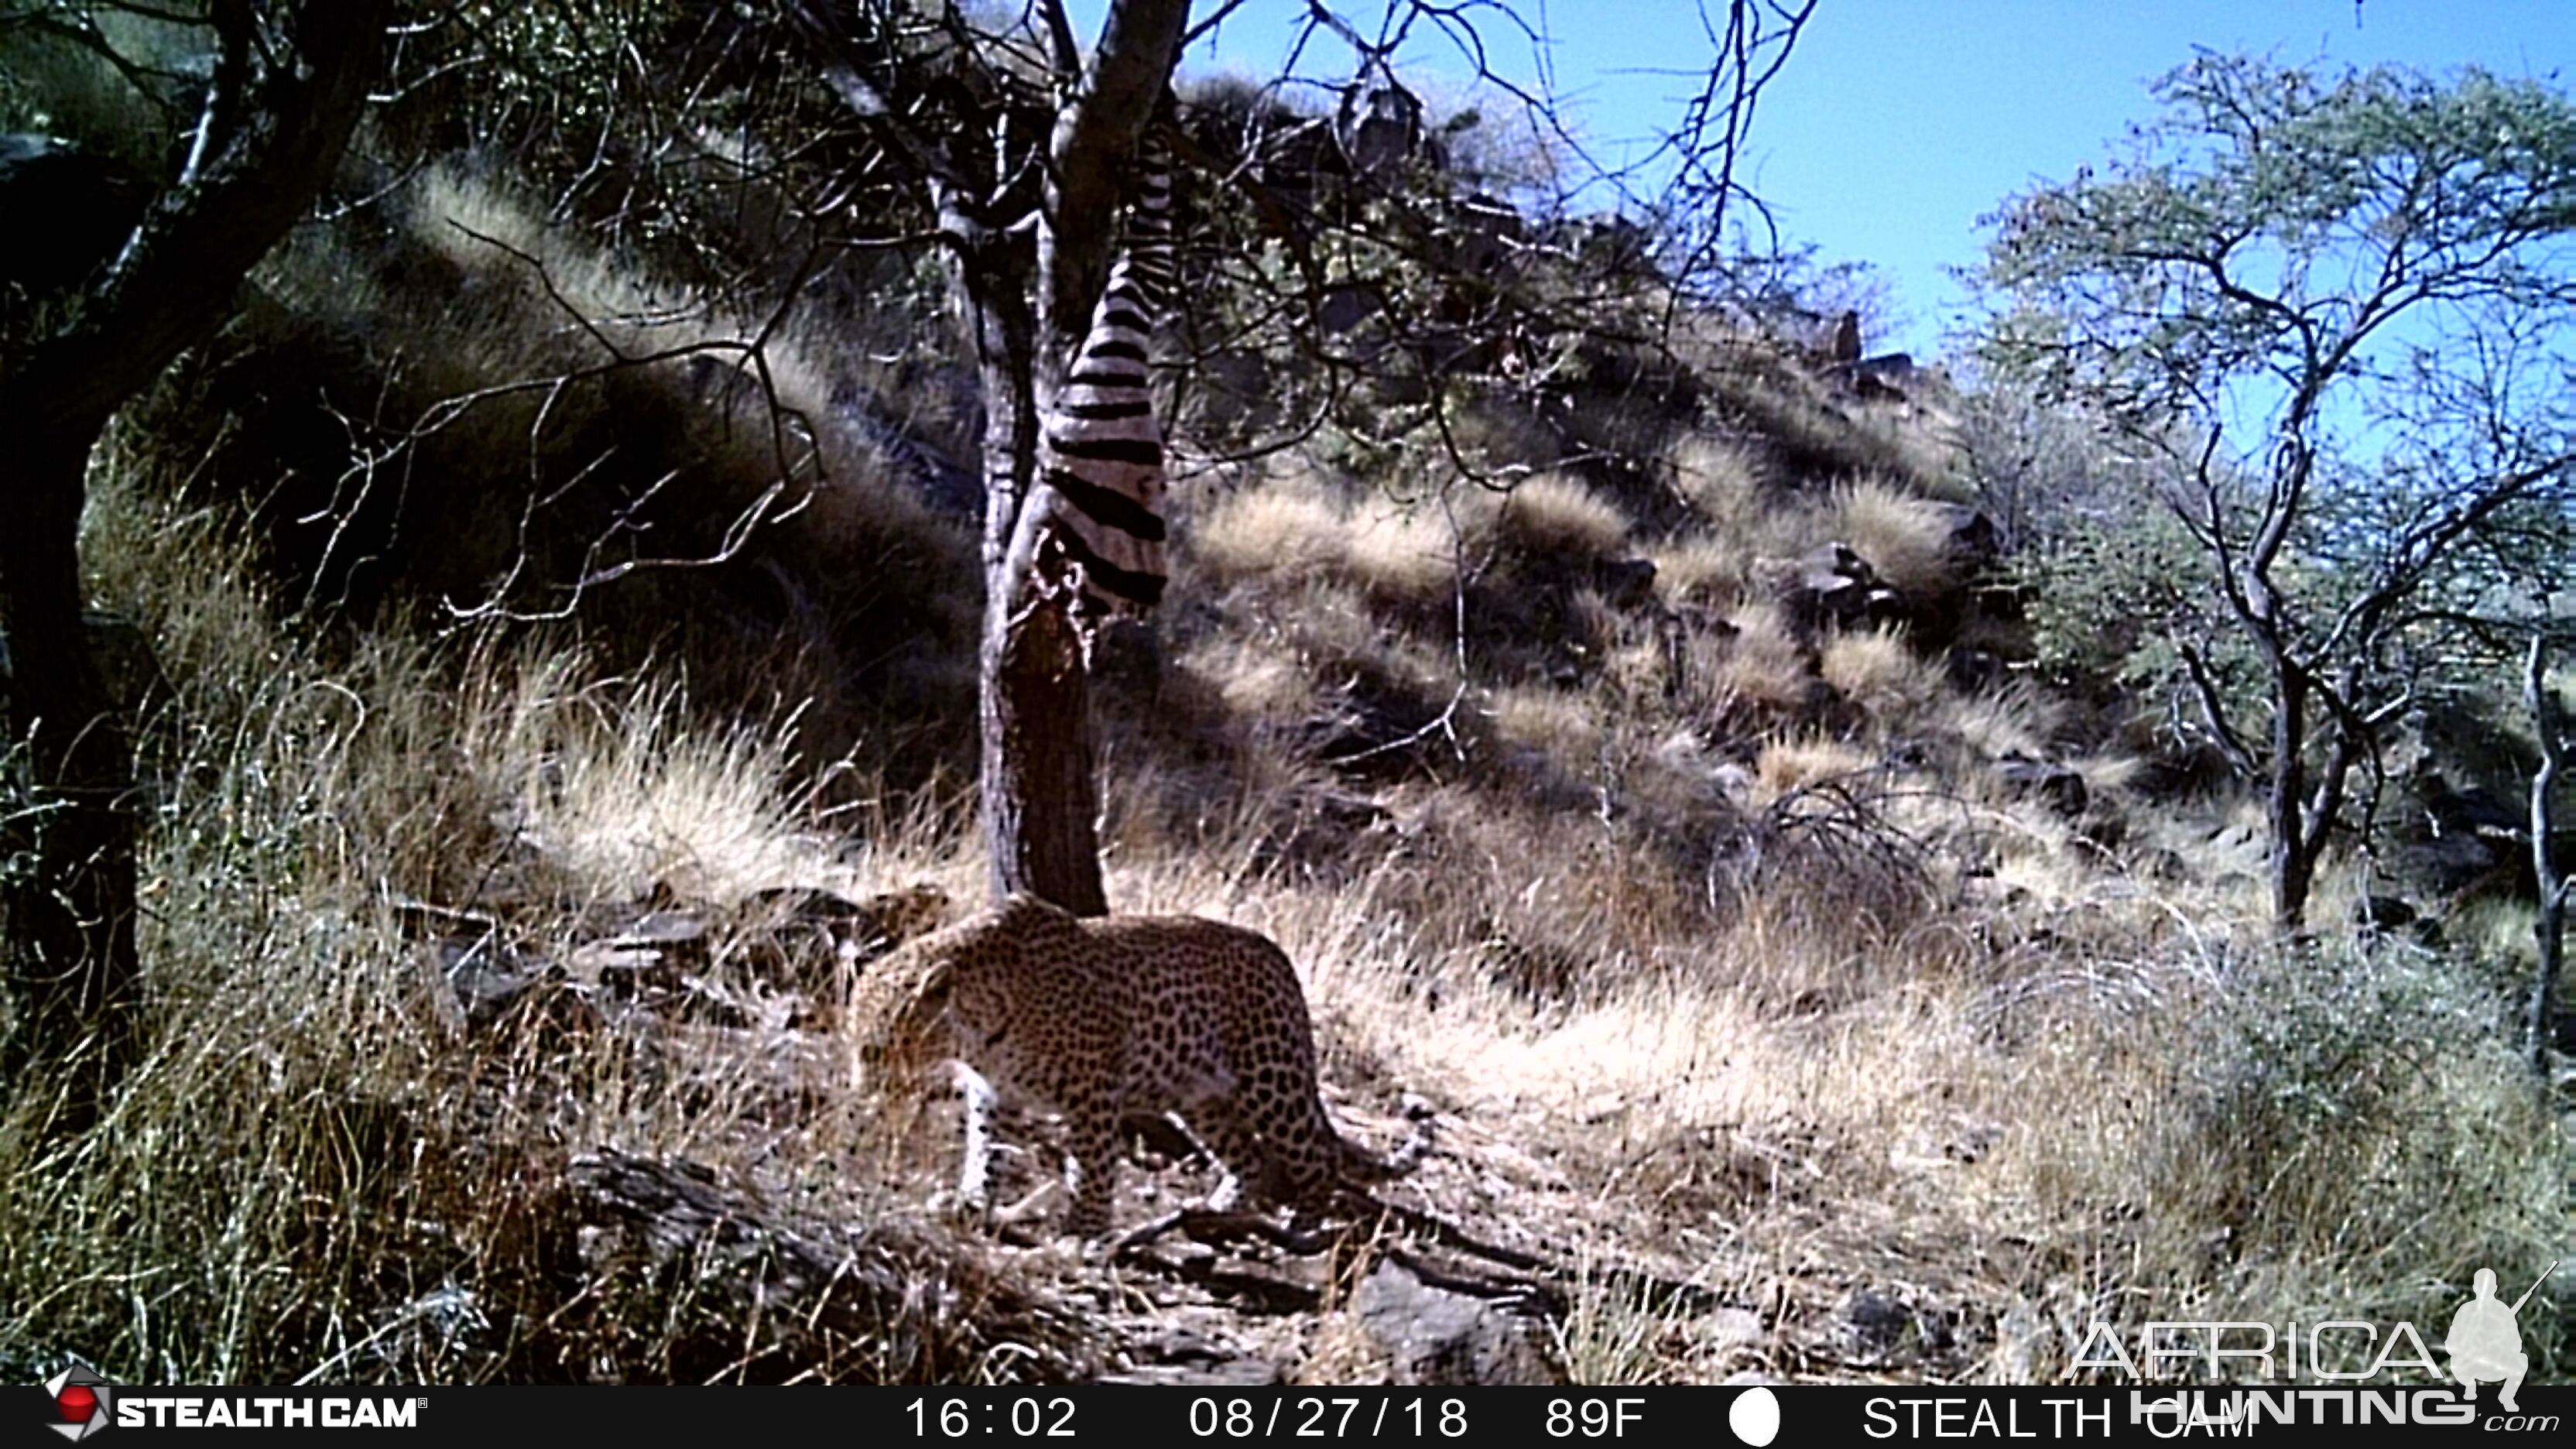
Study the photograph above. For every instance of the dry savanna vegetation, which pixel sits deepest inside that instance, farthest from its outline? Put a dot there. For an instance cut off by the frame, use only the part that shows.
(1811, 980)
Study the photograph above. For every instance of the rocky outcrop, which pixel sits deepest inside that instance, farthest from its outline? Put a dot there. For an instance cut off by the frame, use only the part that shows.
(1832, 584)
(1434, 1336)
(2061, 788)
(1836, 584)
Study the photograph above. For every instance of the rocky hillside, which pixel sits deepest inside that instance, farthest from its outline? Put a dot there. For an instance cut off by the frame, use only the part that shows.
(1683, 766)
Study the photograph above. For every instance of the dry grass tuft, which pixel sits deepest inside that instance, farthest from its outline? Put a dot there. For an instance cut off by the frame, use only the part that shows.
(608, 786)
(1297, 527)
(1880, 672)
(1723, 483)
(1555, 517)
(1903, 536)
(1412, 551)
(1288, 526)
(2015, 720)
(1760, 668)
(1794, 764)
(1709, 571)
(1551, 721)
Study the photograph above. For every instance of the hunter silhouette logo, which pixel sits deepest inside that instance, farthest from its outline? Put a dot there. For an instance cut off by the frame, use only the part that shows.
(84, 1402)
(2486, 1343)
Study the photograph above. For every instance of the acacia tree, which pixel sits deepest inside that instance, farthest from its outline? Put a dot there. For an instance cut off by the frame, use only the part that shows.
(285, 85)
(1012, 145)
(2336, 308)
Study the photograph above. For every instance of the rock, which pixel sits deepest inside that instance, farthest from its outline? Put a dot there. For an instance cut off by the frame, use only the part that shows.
(1972, 671)
(1625, 583)
(1833, 584)
(1842, 345)
(494, 984)
(652, 955)
(1877, 1319)
(2389, 915)
(2165, 865)
(485, 974)
(2459, 865)
(1176, 1355)
(1837, 560)
(2063, 789)
(1380, 126)
(1434, 1336)
(1886, 377)
(624, 970)
(663, 929)
(1730, 1327)
(2474, 810)
(2470, 841)
(1969, 536)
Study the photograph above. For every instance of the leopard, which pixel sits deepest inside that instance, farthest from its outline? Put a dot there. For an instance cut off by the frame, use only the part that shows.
(1194, 1020)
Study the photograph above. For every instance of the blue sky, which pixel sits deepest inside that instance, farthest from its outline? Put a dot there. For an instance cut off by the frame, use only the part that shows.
(1898, 122)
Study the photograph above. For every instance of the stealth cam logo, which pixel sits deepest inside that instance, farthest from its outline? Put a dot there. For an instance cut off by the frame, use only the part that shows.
(84, 1403)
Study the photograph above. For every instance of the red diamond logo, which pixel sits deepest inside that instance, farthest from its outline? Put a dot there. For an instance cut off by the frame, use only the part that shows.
(76, 1403)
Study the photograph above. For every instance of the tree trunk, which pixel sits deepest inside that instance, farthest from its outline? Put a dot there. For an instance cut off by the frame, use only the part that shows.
(1041, 795)
(2294, 854)
(2306, 799)
(287, 89)
(2550, 931)
(1041, 791)
(1041, 787)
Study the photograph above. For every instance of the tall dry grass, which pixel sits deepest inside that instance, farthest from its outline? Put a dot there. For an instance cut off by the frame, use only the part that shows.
(1778, 1012)
(323, 1168)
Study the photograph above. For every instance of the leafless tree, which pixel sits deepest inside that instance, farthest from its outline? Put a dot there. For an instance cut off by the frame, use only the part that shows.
(286, 84)
(1017, 141)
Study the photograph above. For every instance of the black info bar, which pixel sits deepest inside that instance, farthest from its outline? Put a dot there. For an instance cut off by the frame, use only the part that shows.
(1786, 1414)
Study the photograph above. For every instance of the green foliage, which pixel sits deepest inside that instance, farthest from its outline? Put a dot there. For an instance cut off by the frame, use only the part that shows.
(2109, 599)
(560, 68)
(2355, 1105)
(2372, 270)
(2267, 229)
